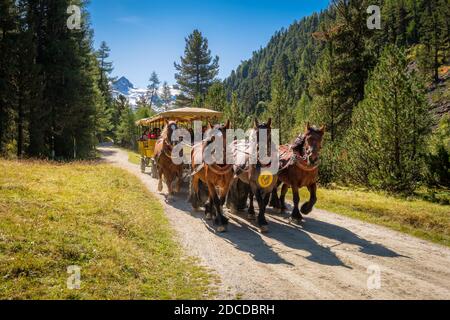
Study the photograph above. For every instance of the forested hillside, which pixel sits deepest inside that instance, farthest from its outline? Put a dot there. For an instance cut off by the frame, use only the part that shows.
(293, 53)
(319, 68)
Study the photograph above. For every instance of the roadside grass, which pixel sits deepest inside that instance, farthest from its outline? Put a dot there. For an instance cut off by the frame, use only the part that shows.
(420, 218)
(94, 216)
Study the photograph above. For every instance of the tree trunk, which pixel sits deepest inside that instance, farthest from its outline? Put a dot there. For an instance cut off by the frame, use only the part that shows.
(20, 128)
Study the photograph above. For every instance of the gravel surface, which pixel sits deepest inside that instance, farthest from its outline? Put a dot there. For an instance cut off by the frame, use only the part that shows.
(328, 257)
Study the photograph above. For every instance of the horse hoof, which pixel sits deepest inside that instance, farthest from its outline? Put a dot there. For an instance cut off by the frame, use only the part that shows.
(264, 229)
(221, 228)
(305, 209)
(295, 220)
(208, 216)
(251, 217)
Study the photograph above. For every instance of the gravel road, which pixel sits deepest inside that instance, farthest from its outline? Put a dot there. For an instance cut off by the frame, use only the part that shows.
(328, 257)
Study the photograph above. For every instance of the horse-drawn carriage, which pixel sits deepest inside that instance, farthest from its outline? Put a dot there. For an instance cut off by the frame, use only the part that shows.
(213, 181)
(150, 130)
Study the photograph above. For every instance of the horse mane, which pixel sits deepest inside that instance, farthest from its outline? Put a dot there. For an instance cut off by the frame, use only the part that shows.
(165, 131)
(298, 143)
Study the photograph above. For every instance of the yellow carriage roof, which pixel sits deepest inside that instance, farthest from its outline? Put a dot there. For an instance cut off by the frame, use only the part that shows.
(183, 114)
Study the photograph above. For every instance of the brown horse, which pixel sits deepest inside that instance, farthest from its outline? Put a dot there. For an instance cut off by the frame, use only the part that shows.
(260, 184)
(299, 164)
(217, 176)
(167, 169)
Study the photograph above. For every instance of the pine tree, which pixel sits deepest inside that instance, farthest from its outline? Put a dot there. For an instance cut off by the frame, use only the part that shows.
(105, 107)
(49, 81)
(233, 113)
(119, 105)
(27, 89)
(103, 112)
(152, 88)
(435, 35)
(328, 106)
(126, 131)
(413, 22)
(8, 29)
(401, 23)
(389, 127)
(278, 108)
(63, 121)
(216, 98)
(438, 155)
(352, 58)
(105, 70)
(143, 109)
(196, 71)
(166, 96)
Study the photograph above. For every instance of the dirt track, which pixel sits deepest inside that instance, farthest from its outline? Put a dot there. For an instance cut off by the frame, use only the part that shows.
(326, 258)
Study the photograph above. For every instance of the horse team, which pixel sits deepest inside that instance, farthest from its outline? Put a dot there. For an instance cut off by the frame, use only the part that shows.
(212, 184)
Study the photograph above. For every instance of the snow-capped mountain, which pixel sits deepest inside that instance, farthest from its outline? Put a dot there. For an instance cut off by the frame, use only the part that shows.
(124, 87)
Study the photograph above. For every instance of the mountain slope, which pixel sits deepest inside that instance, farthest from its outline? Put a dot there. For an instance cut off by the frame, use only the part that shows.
(295, 48)
(408, 24)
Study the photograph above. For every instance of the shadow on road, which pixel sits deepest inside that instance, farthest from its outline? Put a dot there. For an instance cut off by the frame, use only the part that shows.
(107, 153)
(343, 235)
(346, 236)
(243, 235)
(239, 234)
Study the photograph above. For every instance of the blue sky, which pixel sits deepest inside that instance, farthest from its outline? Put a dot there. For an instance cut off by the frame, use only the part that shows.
(147, 35)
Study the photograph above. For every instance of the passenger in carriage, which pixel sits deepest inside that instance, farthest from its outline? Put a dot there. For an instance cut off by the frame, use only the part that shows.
(152, 135)
(144, 136)
(191, 132)
(155, 134)
(158, 132)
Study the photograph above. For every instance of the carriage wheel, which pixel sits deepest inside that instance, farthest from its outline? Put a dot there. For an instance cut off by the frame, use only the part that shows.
(143, 165)
(154, 169)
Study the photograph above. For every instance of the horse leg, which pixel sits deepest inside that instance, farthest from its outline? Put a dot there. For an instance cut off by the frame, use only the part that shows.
(193, 192)
(284, 190)
(209, 209)
(168, 180)
(220, 220)
(224, 192)
(275, 201)
(178, 187)
(296, 215)
(251, 207)
(262, 199)
(179, 176)
(160, 180)
(308, 206)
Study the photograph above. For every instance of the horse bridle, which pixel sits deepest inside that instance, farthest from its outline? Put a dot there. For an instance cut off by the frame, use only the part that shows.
(300, 159)
(269, 144)
(167, 142)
